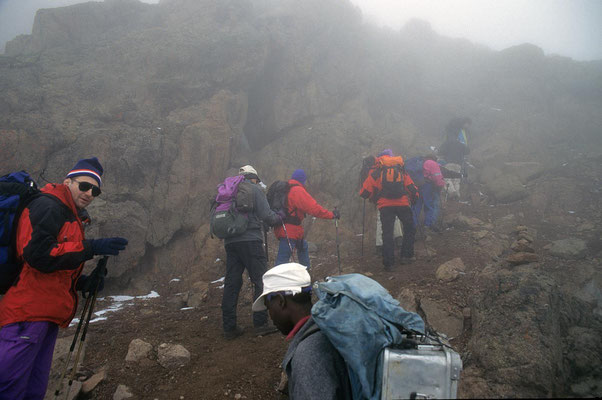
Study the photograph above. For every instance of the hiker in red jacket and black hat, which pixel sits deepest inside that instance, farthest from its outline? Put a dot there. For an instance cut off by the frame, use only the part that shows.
(291, 234)
(51, 244)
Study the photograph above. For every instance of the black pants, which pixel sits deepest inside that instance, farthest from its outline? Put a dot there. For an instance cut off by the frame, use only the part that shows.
(387, 218)
(241, 256)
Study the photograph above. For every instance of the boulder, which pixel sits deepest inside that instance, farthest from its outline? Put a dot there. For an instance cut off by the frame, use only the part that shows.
(198, 294)
(122, 392)
(461, 221)
(507, 189)
(522, 258)
(172, 356)
(407, 299)
(526, 236)
(138, 350)
(522, 245)
(91, 383)
(571, 248)
(450, 270)
(524, 170)
(441, 319)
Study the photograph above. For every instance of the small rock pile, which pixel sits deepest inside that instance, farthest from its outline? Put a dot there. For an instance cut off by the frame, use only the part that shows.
(524, 252)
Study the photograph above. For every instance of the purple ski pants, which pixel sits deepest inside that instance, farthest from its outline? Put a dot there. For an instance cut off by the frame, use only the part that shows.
(25, 358)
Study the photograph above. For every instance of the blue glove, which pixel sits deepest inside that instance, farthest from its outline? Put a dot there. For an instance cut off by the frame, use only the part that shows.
(108, 246)
(281, 214)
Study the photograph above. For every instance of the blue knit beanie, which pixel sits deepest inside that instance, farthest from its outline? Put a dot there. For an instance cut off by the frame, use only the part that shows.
(386, 152)
(87, 167)
(299, 176)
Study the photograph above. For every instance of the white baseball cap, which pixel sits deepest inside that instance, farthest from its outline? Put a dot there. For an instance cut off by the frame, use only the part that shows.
(248, 170)
(290, 278)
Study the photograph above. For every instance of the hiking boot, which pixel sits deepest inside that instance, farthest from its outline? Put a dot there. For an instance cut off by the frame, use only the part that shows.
(234, 333)
(389, 268)
(264, 330)
(433, 228)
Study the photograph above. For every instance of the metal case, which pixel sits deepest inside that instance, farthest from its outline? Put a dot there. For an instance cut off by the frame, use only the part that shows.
(429, 371)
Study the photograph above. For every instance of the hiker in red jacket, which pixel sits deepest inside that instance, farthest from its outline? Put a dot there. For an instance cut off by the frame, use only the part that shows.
(50, 242)
(393, 190)
(291, 234)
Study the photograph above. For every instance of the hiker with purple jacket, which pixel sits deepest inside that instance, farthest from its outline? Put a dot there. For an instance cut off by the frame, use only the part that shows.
(246, 251)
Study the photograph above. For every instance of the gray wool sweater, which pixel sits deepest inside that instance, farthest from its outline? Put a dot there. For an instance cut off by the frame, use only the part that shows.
(261, 212)
(315, 369)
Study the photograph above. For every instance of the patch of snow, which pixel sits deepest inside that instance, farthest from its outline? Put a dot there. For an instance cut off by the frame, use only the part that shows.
(121, 298)
(220, 287)
(119, 302)
(151, 295)
(186, 308)
(571, 212)
(217, 260)
(175, 280)
(219, 280)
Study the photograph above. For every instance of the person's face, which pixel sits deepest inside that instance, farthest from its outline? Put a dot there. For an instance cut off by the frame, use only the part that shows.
(278, 311)
(80, 198)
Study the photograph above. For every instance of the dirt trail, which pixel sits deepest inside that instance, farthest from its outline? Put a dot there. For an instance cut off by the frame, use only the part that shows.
(248, 367)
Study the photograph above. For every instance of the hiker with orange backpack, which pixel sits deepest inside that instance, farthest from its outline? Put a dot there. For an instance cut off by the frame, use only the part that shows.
(394, 192)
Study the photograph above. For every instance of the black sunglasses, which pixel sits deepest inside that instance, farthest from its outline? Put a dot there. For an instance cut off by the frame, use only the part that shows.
(85, 186)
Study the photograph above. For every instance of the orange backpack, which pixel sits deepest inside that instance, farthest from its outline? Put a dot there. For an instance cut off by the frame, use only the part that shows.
(391, 172)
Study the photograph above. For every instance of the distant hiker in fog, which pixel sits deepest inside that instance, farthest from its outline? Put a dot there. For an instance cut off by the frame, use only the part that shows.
(454, 150)
(246, 251)
(315, 369)
(455, 147)
(299, 203)
(51, 244)
(393, 190)
(429, 193)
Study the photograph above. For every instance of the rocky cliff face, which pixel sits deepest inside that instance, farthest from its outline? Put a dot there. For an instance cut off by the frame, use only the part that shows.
(171, 96)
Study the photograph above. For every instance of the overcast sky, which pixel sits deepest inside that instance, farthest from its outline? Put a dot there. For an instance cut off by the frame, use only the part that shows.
(568, 27)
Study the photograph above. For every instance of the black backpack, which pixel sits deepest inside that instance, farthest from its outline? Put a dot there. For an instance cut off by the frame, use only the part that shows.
(17, 190)
(278, 200)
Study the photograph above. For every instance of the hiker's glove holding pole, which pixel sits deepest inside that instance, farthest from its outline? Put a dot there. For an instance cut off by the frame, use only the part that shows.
(336, 214)
(88, 283)
(281, 214)
(108, 246)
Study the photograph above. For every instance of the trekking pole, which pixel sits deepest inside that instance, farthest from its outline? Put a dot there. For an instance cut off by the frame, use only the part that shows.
(336, 227)
(265, 240)
(288, 241)
(101, 267)
(363, 225)
(79, 326)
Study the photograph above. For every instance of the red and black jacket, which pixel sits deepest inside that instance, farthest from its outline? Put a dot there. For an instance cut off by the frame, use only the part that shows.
(299, 204)
(51, 244)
